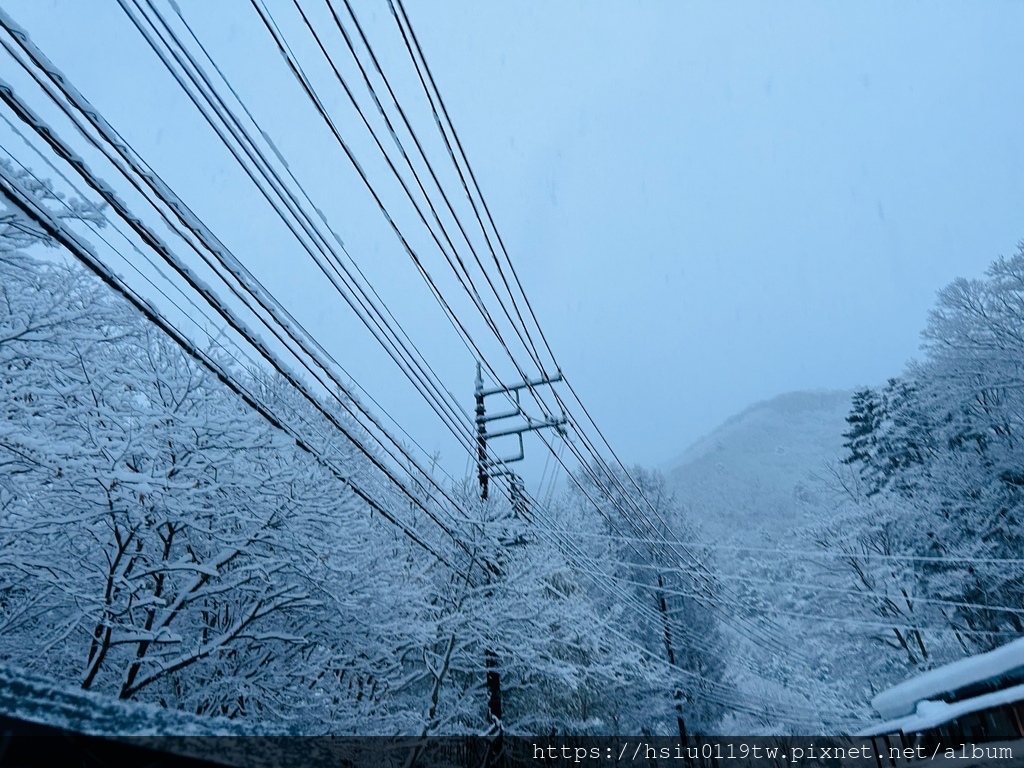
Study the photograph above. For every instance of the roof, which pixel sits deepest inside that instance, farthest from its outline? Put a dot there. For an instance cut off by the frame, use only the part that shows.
(930, 714)
(902, 700)
(34, 699)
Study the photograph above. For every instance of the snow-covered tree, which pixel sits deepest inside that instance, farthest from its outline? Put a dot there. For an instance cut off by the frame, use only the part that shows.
(889, 435)
(161, 541)
(519, 608)
(17, 232)
(670, 586)
(941, 449)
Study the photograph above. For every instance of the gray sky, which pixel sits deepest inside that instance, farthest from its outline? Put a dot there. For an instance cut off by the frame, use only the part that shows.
(708, 203)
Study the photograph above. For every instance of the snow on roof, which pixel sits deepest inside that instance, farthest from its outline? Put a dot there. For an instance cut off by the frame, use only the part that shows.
(35, 699)
(930, 714)
(902, 700)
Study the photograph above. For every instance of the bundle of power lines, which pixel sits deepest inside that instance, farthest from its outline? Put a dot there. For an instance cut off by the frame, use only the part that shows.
(469, 243)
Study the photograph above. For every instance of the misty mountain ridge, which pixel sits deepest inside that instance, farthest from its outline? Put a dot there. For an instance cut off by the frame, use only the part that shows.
(756, 475)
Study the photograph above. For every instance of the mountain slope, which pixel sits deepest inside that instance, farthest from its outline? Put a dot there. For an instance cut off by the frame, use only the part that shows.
(754, 475)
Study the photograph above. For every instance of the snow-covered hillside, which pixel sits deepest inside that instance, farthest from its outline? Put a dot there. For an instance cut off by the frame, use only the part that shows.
(755, 474)
(756, 481)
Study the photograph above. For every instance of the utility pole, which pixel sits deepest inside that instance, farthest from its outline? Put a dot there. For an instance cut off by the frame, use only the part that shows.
(488, 468)
(663, 608)
(481, 435)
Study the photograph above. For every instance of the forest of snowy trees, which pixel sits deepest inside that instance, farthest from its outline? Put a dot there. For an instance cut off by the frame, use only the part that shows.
(162, 542)
(940, 464)
(939, 457)
(916, 553)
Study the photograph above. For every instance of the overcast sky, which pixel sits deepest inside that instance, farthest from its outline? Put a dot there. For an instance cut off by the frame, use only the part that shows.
(708, 204)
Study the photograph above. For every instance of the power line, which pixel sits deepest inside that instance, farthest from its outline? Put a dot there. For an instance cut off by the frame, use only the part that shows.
(452, 154)
(154, 241)
(310, 92)
(95, 230)
(297, 72)
(891, 599)
(84, 253)
(374, 319)
(189, 220)
(426, 76)
(527, 342)
(591, 569)
(820, 553)
(469, 169)
(338, 239)
(237, 130)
